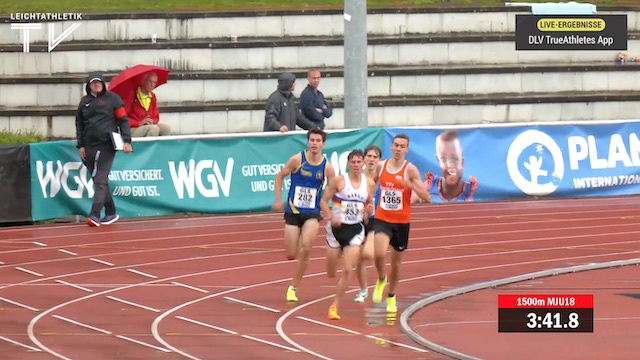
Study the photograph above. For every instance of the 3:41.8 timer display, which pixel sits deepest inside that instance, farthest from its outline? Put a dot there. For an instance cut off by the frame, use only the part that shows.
(545, 313)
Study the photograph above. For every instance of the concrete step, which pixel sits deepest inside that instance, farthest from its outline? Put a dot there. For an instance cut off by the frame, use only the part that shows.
(294, 52)
(187, 25)
(237, 117)
(398, 81)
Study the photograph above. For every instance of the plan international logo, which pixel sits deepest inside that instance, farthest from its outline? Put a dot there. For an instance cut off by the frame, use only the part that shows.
(25, 22)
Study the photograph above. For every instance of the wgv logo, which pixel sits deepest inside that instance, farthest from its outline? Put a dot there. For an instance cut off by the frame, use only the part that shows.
(338, 161)
(535, 164)
(59, 179)
(191, 177)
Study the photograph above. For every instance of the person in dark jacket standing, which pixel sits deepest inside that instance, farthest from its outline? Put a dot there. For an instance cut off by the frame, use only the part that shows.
(282, 114)
(312, 101)
(100, 113)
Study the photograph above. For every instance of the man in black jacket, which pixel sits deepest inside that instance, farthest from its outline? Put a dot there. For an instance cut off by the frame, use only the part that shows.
(281, 113)
(100, 114)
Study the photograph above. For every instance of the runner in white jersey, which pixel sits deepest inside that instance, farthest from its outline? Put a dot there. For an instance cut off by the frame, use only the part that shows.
(372, 155)
(352, 197)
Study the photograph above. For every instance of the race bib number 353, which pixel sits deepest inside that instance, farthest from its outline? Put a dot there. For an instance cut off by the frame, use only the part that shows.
(352, 212)
(391, 199)
(305, 197)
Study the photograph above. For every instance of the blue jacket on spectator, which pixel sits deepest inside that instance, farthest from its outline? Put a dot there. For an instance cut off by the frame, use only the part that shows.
(310, 100)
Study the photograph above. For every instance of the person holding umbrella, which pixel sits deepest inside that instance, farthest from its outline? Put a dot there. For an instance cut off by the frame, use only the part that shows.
(135, 86)
(100, 114)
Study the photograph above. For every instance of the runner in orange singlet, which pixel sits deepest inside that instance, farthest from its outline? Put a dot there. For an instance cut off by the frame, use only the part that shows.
(397, 178)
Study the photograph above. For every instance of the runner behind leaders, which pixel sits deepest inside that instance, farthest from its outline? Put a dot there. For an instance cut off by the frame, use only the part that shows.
(308, 170)
(397, 179)
(372, 155)
(352, 197)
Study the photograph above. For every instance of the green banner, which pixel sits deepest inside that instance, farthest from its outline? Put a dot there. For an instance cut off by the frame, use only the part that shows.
(172, 176)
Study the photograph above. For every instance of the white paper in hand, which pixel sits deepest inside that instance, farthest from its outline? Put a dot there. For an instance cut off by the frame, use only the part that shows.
(118, 143)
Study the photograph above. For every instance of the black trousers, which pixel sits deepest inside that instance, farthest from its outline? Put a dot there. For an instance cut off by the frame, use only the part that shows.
(98, 161)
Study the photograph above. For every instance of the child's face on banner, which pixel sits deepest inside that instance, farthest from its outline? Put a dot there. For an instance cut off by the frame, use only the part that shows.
(449, 156)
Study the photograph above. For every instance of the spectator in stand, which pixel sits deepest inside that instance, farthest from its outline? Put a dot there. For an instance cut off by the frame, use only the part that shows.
(142, 109)
(281, 112)
(312, 101)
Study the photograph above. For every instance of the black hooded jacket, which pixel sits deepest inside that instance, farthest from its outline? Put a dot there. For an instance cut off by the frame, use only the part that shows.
(98, 116)
(281, 108)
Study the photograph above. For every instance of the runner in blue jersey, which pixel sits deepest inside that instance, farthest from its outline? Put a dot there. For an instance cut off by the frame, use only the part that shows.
(371, 159)
(308, 169)
(450, 186)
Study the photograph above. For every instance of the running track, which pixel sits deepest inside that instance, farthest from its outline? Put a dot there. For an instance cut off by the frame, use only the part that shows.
(213, 287)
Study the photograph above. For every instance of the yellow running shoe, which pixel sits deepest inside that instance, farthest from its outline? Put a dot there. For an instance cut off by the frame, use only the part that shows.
(377, 292)
(391, 304)
(291, 295)
(333, 313)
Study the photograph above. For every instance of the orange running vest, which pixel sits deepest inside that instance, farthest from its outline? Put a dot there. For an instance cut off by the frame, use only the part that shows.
(394, 205)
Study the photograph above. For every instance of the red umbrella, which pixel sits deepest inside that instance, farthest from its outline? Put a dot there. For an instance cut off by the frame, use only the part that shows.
(129, 79)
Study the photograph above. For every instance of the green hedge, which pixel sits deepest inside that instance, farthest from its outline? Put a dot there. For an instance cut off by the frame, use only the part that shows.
(20, 137)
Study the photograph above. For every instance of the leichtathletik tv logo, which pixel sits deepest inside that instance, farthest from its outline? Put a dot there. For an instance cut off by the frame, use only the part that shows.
(535, 164)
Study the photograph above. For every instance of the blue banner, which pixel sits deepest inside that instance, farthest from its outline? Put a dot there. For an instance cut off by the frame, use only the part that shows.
(504, 163)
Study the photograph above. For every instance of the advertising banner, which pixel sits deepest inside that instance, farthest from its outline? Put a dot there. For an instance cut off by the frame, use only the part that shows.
(172, 176)
(503, 163)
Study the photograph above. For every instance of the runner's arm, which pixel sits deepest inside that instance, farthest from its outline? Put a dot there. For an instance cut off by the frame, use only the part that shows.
(329, 191)
(416, 183)
(371, 189)
(289, 167)
(330, 172)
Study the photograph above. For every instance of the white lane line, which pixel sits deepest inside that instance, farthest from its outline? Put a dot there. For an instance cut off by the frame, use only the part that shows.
(142, 343)
(67, 252)
(235, 333)
(82, 324)
(102, 262)
(142, 273)
(132, 304)
(189, 287)
(207, 325)
(18, 304)
(28, 271)
(74, 285)
(40, 244)
(396, 343)
(19, 344)
(252, 304)
(329, 325)
(269, 343)
(109, 333)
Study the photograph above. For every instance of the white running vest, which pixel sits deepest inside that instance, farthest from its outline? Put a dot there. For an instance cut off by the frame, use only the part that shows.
(349, 203)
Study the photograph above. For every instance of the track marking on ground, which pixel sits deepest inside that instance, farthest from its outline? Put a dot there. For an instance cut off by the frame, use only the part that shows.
(142, 273)
(251, 304)
(132, 304)
(101, 262)
(18, 304)
(19, 344)
(74, 285)
(190, 287)
(28, 271)
(231, 332)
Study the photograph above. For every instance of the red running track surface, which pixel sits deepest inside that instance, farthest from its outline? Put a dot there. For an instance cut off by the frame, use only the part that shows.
(213, 287)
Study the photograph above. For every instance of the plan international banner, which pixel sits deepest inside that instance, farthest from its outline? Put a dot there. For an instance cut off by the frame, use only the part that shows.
(533, 161)
(171, 176)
